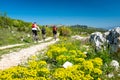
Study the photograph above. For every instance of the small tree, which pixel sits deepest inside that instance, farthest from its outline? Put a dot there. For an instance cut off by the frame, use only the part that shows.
(64, 31)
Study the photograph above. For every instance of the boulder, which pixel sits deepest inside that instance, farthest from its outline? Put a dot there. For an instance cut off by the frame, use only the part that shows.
(115, 64)
(97, 40)
(113, 39)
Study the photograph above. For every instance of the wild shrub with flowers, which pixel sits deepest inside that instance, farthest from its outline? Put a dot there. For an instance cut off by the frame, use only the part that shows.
(43, 69)
(83, 69)
(34, 70)
(76, 73)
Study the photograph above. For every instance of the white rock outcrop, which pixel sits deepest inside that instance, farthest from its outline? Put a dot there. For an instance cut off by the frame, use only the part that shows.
(97, 39)
(111, 37)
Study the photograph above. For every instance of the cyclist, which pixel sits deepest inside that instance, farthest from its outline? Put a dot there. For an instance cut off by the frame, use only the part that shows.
(34, 31)
(55, 32)
(43, 30)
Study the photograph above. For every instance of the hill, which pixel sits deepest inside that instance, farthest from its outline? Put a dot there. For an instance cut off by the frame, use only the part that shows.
(84, 29)
(14, 31)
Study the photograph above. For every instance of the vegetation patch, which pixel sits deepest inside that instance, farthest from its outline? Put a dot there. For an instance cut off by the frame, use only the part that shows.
(49, 65)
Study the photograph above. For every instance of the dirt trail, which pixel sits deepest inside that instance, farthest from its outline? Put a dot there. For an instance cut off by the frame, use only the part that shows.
(10, 46)
(15, 58)
(15, 45)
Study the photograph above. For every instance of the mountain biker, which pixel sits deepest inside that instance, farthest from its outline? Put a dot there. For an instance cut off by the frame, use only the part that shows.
(34, 31)
(55, 32)
(43, 30)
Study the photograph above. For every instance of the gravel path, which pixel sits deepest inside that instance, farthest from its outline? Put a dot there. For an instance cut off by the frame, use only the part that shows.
(15, 58)
(10, 46)
(15, 45)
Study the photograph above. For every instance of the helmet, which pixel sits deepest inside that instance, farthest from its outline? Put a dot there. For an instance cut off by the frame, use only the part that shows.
(34, 22)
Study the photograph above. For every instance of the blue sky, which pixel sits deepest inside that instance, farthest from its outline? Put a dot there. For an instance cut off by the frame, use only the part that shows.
(94, 13)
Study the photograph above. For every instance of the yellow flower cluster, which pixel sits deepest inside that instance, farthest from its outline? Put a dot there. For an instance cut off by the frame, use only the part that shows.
(97, 71)
(34, 70)
(86, 71)
(73, 52)
(61, 59)
(79, 60)
(55, 51)
(97, 62)
(81, 54)
(37, 69)
(61, 53)
(88, 65)
(71, 73)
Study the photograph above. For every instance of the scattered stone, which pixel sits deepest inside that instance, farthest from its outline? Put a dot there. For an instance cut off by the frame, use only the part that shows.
(85, 52)
(110, 75)
(67, 64)
(119, 75)
(28, 35)
(115, 64)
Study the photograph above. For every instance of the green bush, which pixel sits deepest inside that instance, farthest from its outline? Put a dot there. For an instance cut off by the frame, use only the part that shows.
(65, 31)
(48, 31)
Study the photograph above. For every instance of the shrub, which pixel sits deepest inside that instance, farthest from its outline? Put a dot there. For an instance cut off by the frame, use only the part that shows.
(64, 31)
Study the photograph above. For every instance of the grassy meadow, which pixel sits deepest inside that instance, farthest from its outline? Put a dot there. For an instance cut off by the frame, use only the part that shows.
(48, 64)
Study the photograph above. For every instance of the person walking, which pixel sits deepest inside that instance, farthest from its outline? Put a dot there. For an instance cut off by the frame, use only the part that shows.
(35, 28)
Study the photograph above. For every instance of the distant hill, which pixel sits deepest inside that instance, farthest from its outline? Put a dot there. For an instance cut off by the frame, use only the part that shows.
(80, 29)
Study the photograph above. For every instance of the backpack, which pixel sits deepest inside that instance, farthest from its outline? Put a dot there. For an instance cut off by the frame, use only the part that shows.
(33, 25)
(54, 28)
(43, 31)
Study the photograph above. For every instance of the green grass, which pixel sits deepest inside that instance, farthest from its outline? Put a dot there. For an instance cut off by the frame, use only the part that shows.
(8, 37)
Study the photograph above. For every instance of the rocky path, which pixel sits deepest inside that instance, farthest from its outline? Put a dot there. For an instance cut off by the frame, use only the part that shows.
(10, 46)
(15, 58)
(15, 45)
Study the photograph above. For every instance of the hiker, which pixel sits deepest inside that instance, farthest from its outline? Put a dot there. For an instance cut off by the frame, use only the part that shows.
(43, 30)
(35, 28)
(55, 32)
